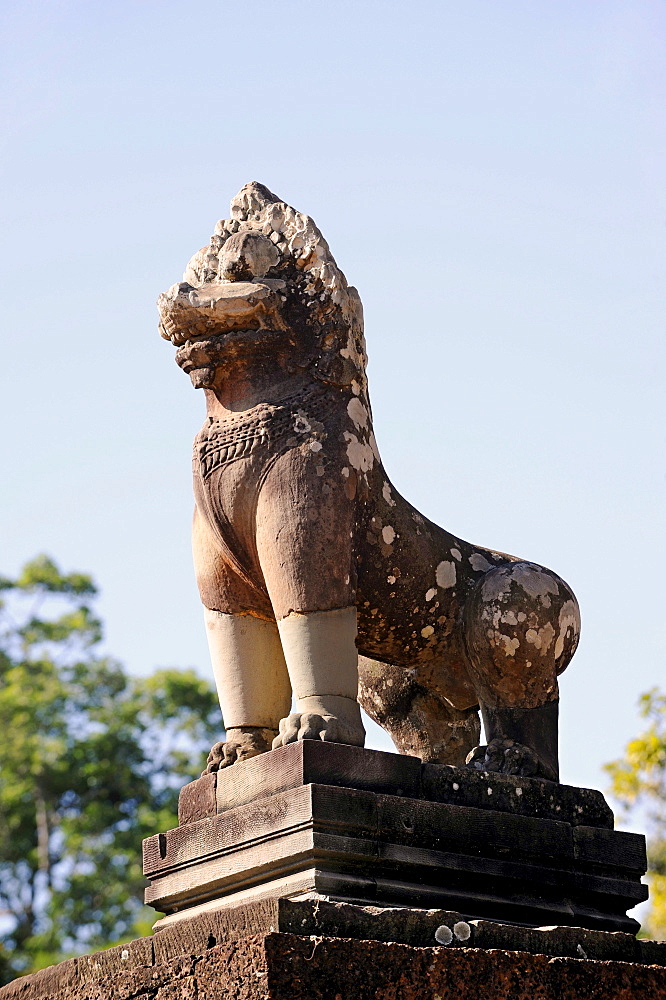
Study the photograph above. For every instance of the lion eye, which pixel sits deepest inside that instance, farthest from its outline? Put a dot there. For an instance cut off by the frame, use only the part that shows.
(247, 255)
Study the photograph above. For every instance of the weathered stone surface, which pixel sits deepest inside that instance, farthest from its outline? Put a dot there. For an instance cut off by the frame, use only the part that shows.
(372, 770)
(364, 970)
(307, 556)
(416, 927)
(521, 796)
(123, 958)
(275, 965)
(342, 968)
(45, 983)
(193, 936)
(652, 952)
(314, 761)
(197, 799)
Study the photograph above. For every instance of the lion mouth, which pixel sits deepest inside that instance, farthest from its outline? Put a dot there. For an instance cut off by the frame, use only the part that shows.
(199, 351)
(192, 315)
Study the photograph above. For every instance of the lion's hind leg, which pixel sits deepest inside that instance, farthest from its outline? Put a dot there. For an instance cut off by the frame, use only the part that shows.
(417, 720)
(521, 630)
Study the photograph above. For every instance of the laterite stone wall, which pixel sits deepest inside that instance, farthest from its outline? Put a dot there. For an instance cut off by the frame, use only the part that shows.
(280, 966)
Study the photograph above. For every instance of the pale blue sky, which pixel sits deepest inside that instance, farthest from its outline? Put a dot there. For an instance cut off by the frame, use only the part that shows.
(491, 177)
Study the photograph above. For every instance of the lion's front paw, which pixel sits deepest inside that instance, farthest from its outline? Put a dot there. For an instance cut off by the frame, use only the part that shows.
(241, 744)
(311, 726)
(509, 757)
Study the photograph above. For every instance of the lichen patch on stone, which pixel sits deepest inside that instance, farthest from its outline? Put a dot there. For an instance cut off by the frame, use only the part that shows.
(358, 412)
(569, 622)
(541, 639)
(445, 574)
(386, 493)
(479, 563)
(534, 581)
(508, 643)
(360, 455)
(301, 424)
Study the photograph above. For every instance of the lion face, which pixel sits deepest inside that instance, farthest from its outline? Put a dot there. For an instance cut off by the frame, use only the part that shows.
(266, 282)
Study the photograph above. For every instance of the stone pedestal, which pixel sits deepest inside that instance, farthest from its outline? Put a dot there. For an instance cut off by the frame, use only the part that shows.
(324, 821)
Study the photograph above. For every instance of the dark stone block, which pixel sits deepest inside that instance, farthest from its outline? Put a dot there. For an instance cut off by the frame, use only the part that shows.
(324, 969)
(652, 952)
(317, 762)
(440, 826)
(520, 796)
(197, 799)
(611, 849)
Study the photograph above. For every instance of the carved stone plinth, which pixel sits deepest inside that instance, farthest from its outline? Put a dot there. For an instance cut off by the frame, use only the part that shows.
(347, 824)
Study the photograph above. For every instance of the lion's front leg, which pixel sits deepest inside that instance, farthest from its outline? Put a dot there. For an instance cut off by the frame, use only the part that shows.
(246, 654)
(305, 525)
(322, 660)
(252, 684)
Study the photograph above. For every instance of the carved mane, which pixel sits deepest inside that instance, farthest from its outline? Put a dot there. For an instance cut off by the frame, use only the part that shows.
(333, 306)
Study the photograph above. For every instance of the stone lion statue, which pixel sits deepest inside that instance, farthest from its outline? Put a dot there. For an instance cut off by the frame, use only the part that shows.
(319, 581)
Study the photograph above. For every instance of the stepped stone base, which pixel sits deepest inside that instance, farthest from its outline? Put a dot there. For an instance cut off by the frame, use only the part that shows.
(333, 872)
(294, 950)
(367, 827)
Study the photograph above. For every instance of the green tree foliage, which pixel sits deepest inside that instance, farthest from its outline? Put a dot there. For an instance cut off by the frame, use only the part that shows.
(639, 781)
(91, 761)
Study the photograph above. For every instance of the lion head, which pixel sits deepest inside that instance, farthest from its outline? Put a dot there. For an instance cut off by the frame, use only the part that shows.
(266, 281)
